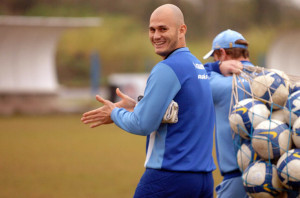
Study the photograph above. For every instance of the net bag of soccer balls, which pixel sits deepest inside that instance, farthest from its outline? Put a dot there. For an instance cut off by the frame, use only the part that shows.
(264, 117)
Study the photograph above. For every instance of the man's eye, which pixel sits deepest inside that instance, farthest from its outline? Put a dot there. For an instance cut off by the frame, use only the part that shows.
(163, 29)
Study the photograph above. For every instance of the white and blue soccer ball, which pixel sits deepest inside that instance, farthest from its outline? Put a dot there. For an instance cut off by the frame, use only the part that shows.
(288, 169)
(246, 115)
(271, 87)
(260, 179)
(246, 155)
(296, 133)
(294, 87)
(271, 138)
(278, 115)
(292, 108)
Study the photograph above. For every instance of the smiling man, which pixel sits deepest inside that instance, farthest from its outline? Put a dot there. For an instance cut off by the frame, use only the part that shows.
(179, 159)
(162, 33)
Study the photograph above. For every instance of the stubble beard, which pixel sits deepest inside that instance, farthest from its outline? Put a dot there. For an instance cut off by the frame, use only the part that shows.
(170, 48)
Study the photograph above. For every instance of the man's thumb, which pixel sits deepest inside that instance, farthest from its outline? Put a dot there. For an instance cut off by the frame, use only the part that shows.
(100, 99)
(119, 93)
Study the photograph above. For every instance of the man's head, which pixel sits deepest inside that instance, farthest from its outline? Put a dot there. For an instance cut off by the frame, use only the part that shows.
(167, 29)
(229, 45)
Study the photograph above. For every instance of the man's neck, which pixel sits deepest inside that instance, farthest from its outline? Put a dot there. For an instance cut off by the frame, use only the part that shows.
(171, 53)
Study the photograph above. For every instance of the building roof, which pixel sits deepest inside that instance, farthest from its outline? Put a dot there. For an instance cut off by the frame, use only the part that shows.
(50, 21)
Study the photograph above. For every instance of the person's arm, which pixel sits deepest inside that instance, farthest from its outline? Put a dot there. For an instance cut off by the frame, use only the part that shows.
(162, 86)
(226, 68)
(215, 66)
(230, 67)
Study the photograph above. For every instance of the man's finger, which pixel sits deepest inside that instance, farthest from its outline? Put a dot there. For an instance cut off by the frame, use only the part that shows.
(236, 70)
(89, 117)
(90, 113)
(87, 120)
(100, 99)
(240, 65)
(119, 93)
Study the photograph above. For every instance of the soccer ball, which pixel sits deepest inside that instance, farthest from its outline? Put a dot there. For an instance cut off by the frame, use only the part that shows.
(283, 75)
(260, 180)
(278, 115)
(294, 87)
(288, 169)
(246, 115)
(246, 155)
(296, 133)
(292, 108)
(271, 138)
(271, 87)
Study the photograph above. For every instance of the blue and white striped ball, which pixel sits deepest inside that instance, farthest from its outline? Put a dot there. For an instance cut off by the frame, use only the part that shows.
(260, 179)
(246, 115)
(294, 87)
(246, 155)
(292, 108)
(296, 133)
(288, 169)
(272, 88)
(271, 138)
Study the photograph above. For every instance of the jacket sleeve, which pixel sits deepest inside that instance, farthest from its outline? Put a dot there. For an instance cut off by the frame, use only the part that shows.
(213, 66)
(162, 86)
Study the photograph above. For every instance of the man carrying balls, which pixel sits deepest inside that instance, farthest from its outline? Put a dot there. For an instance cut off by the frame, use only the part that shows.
(227, 46)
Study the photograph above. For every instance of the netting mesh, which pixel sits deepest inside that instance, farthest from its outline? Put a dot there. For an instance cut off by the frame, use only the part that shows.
(264, 111)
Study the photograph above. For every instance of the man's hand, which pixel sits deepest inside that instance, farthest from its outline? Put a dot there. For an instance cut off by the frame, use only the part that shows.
(126, 102)
(230, 67)
(99, 116)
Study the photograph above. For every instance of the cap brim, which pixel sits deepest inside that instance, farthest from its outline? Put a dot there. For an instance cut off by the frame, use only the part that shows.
(208, 54)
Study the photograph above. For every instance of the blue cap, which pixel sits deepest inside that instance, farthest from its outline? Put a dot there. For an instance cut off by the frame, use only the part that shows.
(226, 40)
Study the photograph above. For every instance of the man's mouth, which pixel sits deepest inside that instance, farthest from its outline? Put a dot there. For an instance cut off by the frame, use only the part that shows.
(159, 44)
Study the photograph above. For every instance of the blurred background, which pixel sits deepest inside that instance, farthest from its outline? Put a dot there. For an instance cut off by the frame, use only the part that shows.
(56, 55)
(75, 49)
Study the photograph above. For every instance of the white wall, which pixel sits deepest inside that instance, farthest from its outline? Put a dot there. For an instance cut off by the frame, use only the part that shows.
(27, 59)
(284, 53)
(27, 51)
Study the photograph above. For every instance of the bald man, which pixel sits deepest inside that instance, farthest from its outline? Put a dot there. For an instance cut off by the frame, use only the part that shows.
(179, 159)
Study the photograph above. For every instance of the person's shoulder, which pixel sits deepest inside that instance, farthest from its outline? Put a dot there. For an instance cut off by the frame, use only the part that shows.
(159, 65)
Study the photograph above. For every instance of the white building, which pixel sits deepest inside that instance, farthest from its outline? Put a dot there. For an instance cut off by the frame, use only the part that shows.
(28, 79)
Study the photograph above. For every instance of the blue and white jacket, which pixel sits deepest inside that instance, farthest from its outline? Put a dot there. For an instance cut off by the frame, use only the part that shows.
(187, 144)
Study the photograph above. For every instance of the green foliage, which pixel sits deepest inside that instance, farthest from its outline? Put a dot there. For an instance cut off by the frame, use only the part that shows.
(121, 42)
(259, 40)
(73, 70)
(123, 46)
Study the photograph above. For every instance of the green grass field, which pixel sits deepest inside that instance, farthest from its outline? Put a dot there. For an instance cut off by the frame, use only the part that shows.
(59, 157)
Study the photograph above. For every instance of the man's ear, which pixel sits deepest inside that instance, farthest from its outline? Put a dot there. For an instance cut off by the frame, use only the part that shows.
(183, 29)
(223, 54)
